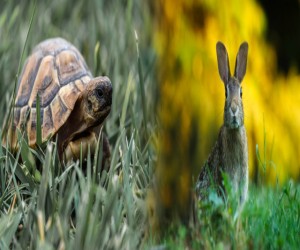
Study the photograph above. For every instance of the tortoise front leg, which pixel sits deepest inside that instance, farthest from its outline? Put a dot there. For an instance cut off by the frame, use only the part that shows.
(72, 151)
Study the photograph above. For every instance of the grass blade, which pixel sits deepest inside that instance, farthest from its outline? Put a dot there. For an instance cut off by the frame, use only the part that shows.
(38, 121)
(11, 110)
(141, 81)
(8, 228)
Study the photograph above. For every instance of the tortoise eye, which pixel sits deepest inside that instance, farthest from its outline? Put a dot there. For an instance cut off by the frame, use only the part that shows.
(99, 93)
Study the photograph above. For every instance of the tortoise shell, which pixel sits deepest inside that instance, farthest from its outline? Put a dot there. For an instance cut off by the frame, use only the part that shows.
(57, 72)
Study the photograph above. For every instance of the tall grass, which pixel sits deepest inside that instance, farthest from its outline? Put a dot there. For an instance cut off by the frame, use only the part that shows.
(44, 205)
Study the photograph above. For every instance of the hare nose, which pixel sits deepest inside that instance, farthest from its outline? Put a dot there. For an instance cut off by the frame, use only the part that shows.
(234, 109)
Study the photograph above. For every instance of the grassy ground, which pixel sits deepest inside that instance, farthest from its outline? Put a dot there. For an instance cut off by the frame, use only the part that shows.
(270, 220)
(66, 208)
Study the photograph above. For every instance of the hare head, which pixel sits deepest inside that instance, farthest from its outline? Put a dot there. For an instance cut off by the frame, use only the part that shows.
(233, 111)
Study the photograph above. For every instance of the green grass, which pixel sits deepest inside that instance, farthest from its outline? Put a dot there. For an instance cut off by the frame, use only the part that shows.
(44, 205)
(270, 220)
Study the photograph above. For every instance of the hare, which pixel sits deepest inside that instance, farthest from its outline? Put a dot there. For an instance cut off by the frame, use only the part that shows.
(230, 153)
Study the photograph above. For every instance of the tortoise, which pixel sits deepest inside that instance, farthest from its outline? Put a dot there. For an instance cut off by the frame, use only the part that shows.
(73, 104)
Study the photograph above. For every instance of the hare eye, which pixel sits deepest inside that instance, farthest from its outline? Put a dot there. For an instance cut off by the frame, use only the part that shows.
(241, 92)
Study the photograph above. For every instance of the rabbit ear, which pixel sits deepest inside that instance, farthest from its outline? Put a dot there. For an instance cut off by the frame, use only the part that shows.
(241, 62)
(223, 62)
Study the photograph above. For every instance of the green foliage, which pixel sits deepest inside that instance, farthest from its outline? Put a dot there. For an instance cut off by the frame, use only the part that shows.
(270, 220)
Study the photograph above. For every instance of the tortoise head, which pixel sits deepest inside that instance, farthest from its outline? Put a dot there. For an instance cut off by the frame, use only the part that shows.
(90, 110)
(96, 101)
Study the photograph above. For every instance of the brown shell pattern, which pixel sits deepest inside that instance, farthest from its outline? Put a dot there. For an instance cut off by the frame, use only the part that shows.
(57, 72)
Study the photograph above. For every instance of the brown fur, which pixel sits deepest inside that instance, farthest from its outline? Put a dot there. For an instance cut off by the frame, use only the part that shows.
(230, 156)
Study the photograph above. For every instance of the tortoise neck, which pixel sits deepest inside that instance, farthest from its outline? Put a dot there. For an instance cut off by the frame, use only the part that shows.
(75, 124)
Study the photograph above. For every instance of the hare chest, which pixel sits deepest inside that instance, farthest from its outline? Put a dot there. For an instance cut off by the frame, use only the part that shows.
(235, 162)
(233, 167)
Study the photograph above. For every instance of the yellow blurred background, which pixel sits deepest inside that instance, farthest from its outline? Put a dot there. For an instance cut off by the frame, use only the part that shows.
(192, 94)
